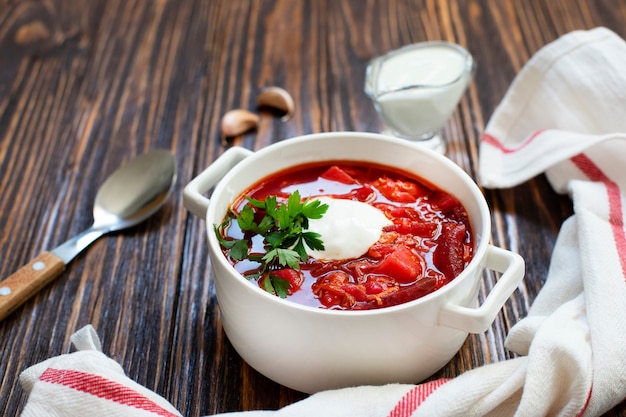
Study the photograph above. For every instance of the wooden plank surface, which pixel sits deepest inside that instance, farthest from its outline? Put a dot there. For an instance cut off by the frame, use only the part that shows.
(85, 86)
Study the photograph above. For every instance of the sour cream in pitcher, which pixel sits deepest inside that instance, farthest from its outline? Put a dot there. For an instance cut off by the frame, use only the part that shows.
(415, 89)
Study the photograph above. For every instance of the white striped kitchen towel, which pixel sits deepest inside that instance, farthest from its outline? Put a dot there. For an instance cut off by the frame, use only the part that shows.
(88, 383)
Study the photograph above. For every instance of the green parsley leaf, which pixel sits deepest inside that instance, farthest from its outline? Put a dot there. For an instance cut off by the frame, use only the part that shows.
(276, 285)
(237, 248)
(270, 206)
(282, 215)
(256, 203)
(294, 205)
(275, 239)
(246, 219)
(265, 226)
(284, 257)
(314, 209)
(300, 249)
(313, 240)
(239, 251)
(226, 243)
(267, 285)
(281, 285)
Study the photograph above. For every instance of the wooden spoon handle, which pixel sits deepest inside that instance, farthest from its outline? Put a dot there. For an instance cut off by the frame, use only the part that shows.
(26, 281)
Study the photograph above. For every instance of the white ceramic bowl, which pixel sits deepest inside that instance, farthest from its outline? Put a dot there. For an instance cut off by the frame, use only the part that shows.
(311, 349)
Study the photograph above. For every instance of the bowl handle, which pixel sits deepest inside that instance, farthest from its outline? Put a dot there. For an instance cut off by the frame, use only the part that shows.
(193, 197)
(478, 320)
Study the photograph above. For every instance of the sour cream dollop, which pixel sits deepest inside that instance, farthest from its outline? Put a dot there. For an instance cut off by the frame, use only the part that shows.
(348, 228)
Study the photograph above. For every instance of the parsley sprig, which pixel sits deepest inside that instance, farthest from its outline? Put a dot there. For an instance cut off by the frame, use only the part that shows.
(284, 230)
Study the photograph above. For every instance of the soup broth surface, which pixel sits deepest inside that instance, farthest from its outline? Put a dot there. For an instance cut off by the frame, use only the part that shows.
(424, 244)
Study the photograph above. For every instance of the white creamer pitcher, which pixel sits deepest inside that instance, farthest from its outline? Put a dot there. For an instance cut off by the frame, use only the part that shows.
(416, 88)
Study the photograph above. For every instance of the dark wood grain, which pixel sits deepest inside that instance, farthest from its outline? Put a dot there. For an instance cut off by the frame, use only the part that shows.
(85, 86)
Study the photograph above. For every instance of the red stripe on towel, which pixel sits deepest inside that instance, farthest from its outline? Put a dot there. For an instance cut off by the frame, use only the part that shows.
(103, 388)
(487, 138)
(616, 219)
(586, 404)
(412, 399)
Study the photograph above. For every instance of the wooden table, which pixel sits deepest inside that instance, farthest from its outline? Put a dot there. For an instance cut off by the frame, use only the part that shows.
(86, 85)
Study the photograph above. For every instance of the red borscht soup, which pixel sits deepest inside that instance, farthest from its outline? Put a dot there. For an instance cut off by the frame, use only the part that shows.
(420, 241)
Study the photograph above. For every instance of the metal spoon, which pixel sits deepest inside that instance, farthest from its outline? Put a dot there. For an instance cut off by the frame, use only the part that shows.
(130, 195)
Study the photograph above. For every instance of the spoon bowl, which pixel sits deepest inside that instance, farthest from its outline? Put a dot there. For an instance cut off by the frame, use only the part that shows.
(129, 196)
